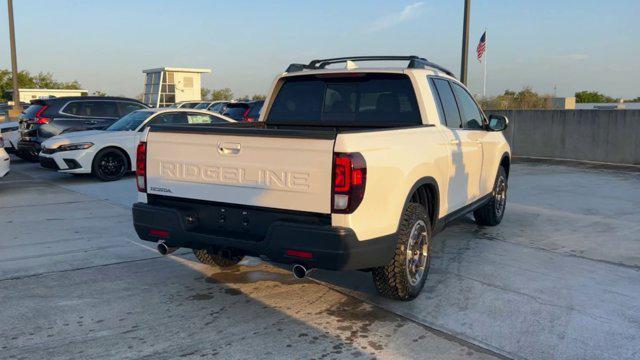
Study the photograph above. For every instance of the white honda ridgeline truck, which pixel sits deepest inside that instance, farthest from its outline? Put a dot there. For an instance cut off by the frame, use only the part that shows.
(347, 169)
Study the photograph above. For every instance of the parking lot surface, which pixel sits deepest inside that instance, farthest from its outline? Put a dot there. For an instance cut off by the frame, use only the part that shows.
(559, 278)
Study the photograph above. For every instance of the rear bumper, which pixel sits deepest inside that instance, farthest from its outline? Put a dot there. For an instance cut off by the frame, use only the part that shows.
(332, 248)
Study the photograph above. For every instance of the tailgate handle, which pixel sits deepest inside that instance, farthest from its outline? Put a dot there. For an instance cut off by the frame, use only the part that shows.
(228, 148)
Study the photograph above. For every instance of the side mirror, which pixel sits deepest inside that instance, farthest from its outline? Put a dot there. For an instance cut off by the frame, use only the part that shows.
(497, 122)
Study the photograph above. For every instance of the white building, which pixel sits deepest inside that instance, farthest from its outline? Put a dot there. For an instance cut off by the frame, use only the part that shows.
(27, 95)
(166, 85)
(609, 106)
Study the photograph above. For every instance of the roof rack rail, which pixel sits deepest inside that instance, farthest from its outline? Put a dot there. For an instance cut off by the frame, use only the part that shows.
(415, 62)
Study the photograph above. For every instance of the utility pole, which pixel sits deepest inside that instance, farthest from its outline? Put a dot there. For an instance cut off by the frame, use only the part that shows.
(465, 42)
(17, 108)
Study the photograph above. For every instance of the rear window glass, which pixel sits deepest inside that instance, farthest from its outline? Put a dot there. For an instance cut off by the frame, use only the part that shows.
(255, 110)
(366, 100)
(92, 109)
(236, 111)
(31, 111)
(201, 106)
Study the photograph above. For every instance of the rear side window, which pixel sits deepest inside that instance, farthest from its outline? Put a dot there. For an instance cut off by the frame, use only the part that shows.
(448, 103)
(195, 118)
(169, 118)
(127, 107)
(107, 109)
(471, 114)
(236, 111)
(255, 110)
(353, 100)
(217, 107)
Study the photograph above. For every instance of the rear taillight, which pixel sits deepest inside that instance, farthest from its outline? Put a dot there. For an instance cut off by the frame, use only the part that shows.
(349, 180)
(41, 119)
(141, 167)
(246, 117)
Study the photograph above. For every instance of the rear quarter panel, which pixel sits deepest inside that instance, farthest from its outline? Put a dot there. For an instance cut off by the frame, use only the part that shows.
(494, 148)
(396, 160)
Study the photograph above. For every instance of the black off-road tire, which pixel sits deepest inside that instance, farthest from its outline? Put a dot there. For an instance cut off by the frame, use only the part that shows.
(492, 212)
(393, 279)
(223, 259)
(102, 173)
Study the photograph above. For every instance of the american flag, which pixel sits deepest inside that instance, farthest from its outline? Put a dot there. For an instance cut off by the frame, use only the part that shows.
(482, 46)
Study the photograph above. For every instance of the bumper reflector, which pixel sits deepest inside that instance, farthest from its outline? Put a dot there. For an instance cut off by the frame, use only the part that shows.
(159, 233)
(299, 254)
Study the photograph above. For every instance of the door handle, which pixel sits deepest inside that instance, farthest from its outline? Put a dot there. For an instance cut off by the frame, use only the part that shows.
(91, 122)
(229, 148)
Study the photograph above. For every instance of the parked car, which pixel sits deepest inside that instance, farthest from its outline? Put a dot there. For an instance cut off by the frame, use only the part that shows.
(244, 111)
(46, 118)
(109, 154)
(218, 107)
(5, 107)
(214, 106)
(186, 104)
(348, 169)
(5, 160)
(9, 130)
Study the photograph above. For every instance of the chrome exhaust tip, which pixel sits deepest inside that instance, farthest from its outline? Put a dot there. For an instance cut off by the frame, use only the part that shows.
(164, 249)
(299, 271)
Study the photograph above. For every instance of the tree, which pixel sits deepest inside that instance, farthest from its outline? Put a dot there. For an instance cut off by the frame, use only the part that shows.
(27, 81)
(633, 100)
(204, 93)
(99, 93)
(258, 97)
(523, 99)
(221, 94)
(593, 97)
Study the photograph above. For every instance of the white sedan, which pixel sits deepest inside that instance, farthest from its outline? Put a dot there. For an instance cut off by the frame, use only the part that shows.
(4, 159)
(9, 131)
(109, 154)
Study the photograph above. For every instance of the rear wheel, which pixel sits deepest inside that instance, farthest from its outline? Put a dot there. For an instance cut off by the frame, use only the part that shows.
(110, 164)
(492, 212)
(404, 277)
(222, 258)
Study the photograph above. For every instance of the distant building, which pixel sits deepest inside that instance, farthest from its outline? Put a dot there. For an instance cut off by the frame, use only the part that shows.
(609, 106)
(166, 86)
(27, 95)
(563, 103)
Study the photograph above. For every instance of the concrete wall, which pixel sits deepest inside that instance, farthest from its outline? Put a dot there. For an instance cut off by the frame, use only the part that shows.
(611, 136)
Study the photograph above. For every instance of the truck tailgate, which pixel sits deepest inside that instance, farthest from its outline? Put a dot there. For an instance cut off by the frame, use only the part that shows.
(282, 172)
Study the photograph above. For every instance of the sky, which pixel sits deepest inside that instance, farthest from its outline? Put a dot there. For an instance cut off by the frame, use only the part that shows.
(554, 46)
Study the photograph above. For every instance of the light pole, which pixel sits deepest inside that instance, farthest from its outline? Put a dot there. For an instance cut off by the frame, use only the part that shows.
(17, 108)
(465, 42)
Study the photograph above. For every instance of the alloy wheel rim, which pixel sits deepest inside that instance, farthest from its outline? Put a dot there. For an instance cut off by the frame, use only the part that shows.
(501, 196)
(417, 252)
(111, 165)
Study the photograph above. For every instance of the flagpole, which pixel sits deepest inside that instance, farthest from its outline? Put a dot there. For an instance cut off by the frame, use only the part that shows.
(484, 83)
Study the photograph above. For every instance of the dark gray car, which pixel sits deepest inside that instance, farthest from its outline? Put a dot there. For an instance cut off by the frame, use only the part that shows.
(49, 117)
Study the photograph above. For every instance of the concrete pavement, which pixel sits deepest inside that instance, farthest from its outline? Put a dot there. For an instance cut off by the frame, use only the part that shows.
(559, 278)
(75, 282)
